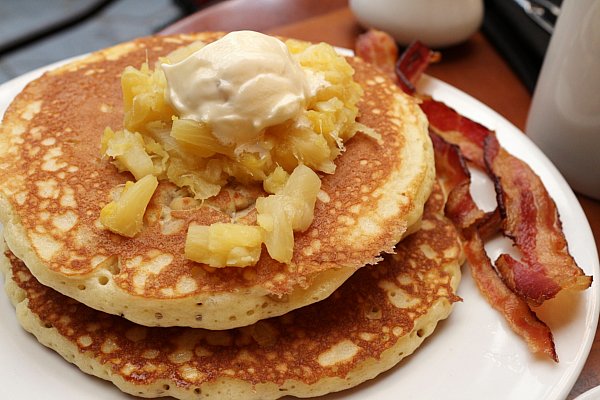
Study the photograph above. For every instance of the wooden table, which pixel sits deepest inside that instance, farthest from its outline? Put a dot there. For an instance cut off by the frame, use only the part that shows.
(473, 67)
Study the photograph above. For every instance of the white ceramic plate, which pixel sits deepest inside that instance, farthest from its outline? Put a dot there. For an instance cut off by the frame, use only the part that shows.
(472, 355)
(592, 394)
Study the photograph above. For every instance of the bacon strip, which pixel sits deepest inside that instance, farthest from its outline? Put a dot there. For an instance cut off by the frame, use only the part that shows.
(529, 284)
(531, 219)
(412, 63)
(378, 48)
(455, 177)
(519, 316)
(454, 128)
(535, 226)
(463, 211)
(525, 210)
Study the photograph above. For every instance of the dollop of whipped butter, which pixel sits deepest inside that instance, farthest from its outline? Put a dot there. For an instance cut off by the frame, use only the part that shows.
(238, 85)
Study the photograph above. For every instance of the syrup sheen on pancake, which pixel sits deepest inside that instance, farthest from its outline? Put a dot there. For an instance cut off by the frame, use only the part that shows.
(55, 184)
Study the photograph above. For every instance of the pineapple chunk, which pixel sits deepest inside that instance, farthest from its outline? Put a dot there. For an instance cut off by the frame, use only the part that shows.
(252, 167)
(276, 180)
(279, 236)
(125, 216)
(313, 150)
(128, 150)
(158, 155)
(300, 192)
(202, 182)
(143, 97)
(197, 138)
(224, 245)
(292, 210)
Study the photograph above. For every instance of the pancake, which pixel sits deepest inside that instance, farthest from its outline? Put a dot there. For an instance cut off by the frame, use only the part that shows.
(375, 319)
(55, 183)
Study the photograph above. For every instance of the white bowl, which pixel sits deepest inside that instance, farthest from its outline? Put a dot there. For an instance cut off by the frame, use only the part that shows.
(437, 23)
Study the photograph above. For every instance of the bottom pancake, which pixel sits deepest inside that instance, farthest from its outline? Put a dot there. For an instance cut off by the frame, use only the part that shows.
(378, 317)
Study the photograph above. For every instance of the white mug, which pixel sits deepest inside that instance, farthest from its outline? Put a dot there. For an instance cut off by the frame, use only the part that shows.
(564, 118)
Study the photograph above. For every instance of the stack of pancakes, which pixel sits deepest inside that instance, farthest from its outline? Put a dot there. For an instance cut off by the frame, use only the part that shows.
(369, 280)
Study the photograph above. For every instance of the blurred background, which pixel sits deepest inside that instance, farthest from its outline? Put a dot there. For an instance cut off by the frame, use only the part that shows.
(35, 33)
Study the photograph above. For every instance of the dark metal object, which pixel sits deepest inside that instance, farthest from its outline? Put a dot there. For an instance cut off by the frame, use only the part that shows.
(542, 12)
(521, 30)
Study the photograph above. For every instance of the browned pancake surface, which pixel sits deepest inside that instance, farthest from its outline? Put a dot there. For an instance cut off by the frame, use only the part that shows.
(380, 315)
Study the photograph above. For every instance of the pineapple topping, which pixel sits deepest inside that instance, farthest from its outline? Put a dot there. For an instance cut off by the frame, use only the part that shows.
(224, 245)
(281, 138)
(125, 215)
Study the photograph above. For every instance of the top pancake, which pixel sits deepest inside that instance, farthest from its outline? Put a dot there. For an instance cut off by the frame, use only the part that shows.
(55, 184)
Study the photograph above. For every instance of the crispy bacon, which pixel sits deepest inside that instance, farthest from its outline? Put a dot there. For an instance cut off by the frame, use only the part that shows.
(529, 284)
(525, 211)
(449, 163)
(521, 319)
(412, 63)
(531, 219)
(456, 129)
(454, 174)
(379, 49)
(490, 224)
